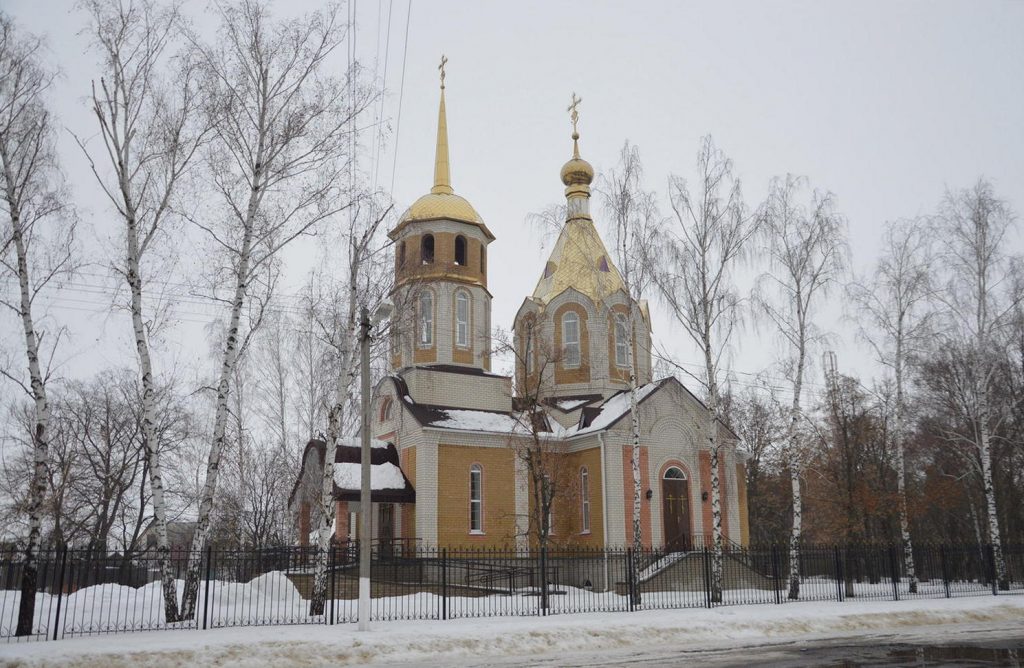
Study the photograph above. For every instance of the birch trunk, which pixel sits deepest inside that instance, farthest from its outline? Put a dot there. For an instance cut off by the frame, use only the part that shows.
(230, 359)
(149, 437)
(342, 392)
(984, 447)
(634, 458)
(795, 466)
(901, 471)
(40, 432)
(716, 488)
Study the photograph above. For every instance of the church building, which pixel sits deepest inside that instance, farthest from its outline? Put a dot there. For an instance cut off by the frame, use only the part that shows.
(476, 451)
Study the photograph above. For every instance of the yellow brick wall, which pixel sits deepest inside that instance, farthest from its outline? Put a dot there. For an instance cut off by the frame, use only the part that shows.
(568, 514)
(453, 496)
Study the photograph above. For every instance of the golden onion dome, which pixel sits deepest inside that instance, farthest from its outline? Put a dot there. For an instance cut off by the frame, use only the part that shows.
(577, 172)
(449, 206)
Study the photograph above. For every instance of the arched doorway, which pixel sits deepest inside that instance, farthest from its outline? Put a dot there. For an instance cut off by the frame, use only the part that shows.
(675, 499)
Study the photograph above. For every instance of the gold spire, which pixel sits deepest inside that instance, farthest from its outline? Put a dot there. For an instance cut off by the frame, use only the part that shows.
(442, 175)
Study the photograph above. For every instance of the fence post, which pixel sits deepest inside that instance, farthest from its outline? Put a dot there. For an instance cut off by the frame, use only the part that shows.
(894, 567)
(990, 557)
(945, 568)
(60, 589)
(840, 576)
(333, 561)
(206, 589)
(544, 580)
(775, 574)
(707, 575)
(444, 583)
(630, 584)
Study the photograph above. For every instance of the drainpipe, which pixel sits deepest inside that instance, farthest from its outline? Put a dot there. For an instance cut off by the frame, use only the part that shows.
(604, 504)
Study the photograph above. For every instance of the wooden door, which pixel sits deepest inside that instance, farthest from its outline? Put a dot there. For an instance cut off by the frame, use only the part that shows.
(675, 495)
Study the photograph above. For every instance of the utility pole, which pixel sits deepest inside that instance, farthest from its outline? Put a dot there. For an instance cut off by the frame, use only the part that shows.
(364, 492)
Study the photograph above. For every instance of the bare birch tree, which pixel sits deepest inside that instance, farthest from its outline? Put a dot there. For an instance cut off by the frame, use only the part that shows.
(151, 131)
(807, 250)
(36, 249)
(635, 221)
(975, 223)
(695, 275)
(277, 163)
(364, 287)
(896, 303)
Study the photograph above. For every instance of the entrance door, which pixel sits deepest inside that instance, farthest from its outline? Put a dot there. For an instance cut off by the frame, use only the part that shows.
(675, 494)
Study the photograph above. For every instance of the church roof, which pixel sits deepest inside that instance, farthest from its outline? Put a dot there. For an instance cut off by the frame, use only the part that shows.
(580, 261)
(388, 483)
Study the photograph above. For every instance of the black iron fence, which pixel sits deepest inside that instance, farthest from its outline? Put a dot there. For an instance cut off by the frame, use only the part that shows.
(80, 593)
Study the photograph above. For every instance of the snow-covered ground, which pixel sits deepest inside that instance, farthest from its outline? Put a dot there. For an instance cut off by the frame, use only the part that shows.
(459, 641)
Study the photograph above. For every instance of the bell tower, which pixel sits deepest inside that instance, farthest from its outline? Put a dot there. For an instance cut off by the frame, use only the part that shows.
(443, 307)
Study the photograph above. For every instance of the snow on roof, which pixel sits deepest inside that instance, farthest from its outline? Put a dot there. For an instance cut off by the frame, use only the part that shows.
(382, 476)
(567, 405)
(356, 442)
(613, 409)
(479, 421)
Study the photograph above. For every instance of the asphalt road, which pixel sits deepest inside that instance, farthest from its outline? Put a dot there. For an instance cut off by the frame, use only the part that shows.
(946, 645)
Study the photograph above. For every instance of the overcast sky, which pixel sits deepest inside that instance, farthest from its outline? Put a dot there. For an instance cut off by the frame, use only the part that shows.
(885, 104)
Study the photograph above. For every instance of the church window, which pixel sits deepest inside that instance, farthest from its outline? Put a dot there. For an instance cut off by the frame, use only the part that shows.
(401, 253)
(427, 249)
(584, 500)
(426, 306)
(461, 319)
(483, 260)
(528, 347)
(603, 264)
(460, 250)
(385, 409)
(476, 499)
(621, 340)
(571, 339)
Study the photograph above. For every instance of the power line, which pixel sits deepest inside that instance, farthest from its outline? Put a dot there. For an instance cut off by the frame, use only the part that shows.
(401, 94)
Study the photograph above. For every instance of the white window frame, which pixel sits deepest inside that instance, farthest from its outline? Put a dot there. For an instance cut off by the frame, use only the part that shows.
(621, 340)
(462, 319)
(476, 504)
(425, 326)
(571, 348)
(584, 500)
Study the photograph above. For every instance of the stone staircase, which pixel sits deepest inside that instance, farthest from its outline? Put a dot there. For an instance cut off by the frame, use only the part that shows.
(684, 571)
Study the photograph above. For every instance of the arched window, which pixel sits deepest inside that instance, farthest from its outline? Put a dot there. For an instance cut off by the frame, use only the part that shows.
(461, 319)
(476, 499)
(385, 409)
(621, 340)
(483, 260)
(401, 253)
(460, 250)
(584, 500)
(426, 317)
(528, 346)
(674, 473)
(571, 339)
(427, 249)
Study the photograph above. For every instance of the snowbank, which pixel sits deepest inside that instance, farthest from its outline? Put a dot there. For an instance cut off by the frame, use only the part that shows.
(438, 643)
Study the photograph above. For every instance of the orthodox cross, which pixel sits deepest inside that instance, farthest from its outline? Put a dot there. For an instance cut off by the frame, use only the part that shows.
(573, 113)
(444, 61)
